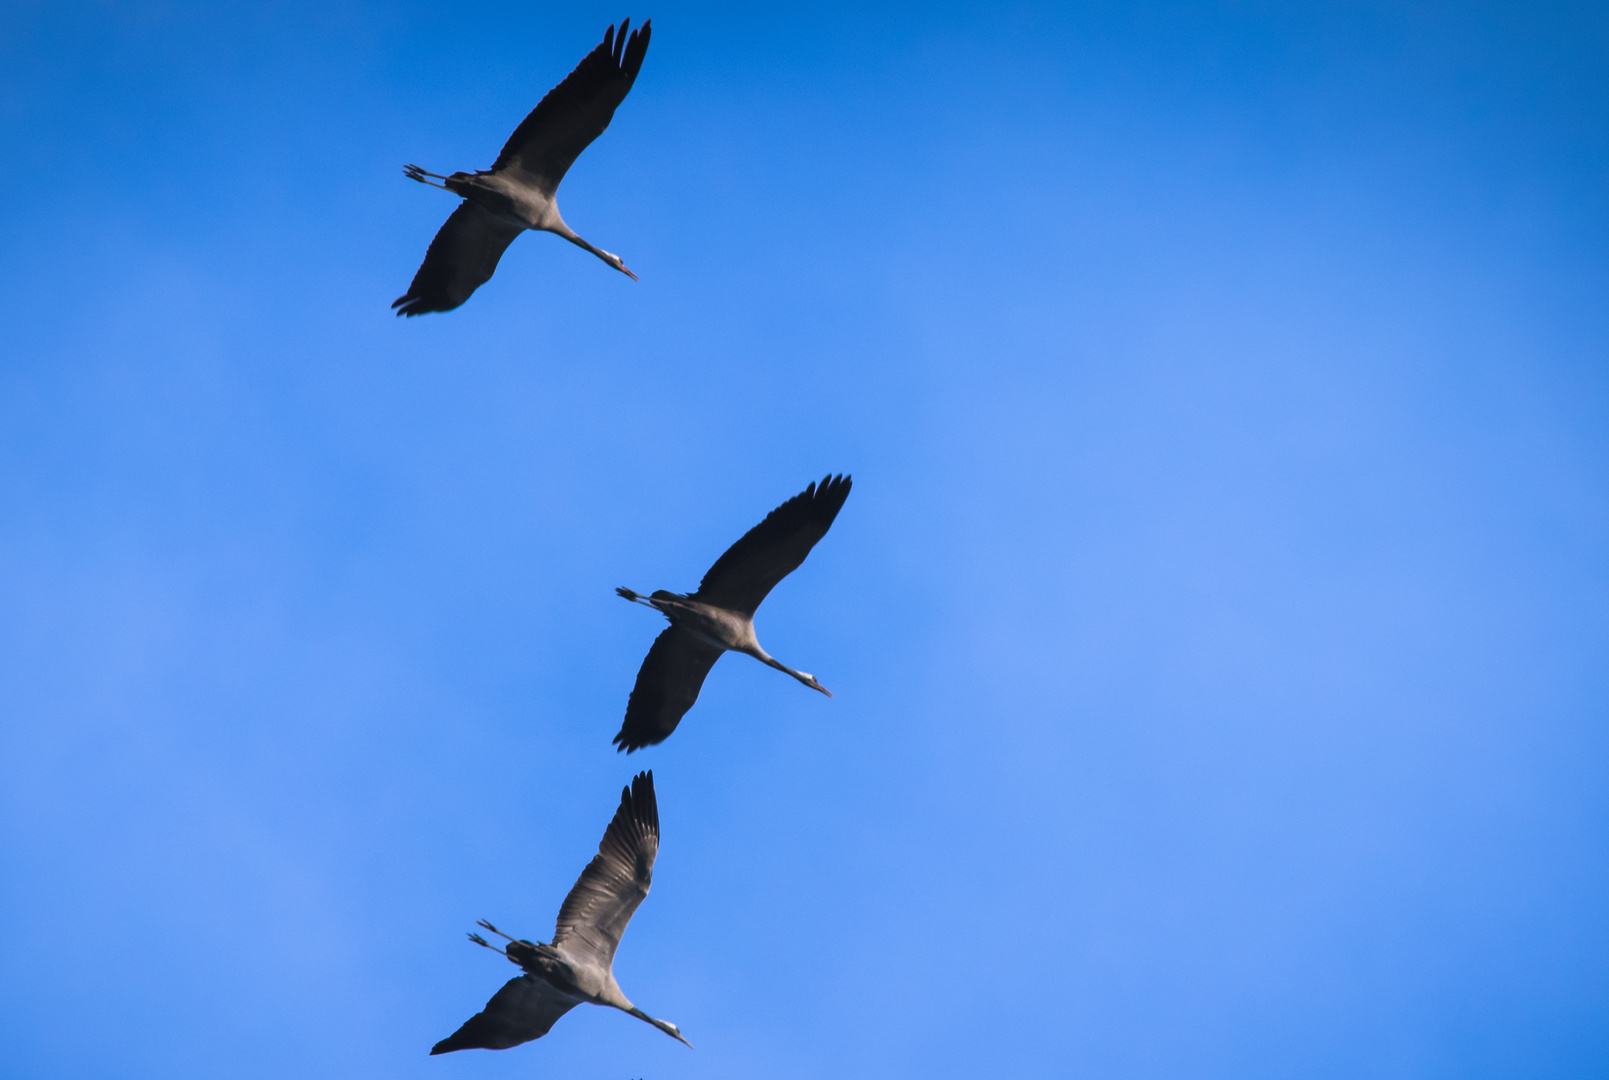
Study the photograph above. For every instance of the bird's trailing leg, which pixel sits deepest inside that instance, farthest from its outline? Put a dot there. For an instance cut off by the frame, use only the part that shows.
(519, 950)
(414, 172)
(483, 943)
(635, 597)
(484, 925)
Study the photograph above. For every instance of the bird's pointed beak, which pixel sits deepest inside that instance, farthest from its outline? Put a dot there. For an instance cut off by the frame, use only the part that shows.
(817, 686)
(628, 273)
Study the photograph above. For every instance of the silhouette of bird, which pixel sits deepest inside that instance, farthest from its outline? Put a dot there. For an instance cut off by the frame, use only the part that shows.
(578, 965)
(719, 617)
(519, 191)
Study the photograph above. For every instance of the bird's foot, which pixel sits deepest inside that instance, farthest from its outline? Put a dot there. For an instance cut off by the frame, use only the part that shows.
(484, 925)
(414, 172)
(483, 943)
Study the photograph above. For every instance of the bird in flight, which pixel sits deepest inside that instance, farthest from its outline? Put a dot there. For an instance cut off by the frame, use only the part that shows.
(520, 190)
(720, 616)
(578, 965)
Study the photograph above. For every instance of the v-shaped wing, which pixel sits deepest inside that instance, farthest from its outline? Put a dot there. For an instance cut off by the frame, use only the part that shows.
(525, 1008)
(773, 549)
(461, 259)
(668, 683)
(606, 895)
(576, 111)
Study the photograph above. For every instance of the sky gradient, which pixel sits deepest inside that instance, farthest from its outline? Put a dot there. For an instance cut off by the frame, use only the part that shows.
(1218, 623)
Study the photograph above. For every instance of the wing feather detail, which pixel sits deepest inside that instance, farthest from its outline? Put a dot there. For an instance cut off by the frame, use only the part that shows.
(525, 1008)
(461, 259)
(606, 895)
(773, 549)
(575, 112)
(667, 685)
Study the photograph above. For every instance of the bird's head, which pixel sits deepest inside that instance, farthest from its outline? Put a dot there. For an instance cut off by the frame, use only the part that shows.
(673, 1031)
(619, 264)
(814, 684)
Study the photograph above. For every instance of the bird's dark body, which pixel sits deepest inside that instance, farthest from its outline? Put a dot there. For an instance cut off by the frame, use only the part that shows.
(718, 627)
(545, 963)
(501, 204)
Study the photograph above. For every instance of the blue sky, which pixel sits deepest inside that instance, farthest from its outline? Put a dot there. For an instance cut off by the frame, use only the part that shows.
(1217, 623)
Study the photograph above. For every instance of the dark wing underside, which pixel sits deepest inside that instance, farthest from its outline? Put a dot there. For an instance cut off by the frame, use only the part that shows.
(525, 1008)
(606, 895)
(667, 685)
(576, 111)
(461, 259)
(773, 549)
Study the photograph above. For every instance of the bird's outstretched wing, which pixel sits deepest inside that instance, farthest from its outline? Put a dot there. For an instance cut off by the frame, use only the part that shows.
(667, 685)
(461, 259)
(608, 891)
(774, 548)
(525, 1008)
(576, 111)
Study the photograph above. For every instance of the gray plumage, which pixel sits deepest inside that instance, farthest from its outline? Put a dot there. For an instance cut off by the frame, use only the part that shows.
(578, 965)
(520, 190)
(719, 617)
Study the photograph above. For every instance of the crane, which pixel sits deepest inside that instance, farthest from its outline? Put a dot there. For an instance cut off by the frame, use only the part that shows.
(578, 965)
(519, 191)
(719, 617)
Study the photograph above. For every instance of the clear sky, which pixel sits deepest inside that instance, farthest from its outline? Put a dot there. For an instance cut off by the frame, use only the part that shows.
(1218, 623)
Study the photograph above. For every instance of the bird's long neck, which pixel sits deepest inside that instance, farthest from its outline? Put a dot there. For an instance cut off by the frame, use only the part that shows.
(764, 658)
(612, 995)
(663, 1025)
(803, 676)
(557, 226)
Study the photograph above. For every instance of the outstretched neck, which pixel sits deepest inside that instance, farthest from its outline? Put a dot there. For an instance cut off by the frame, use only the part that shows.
(663, 1025)
(557, 226)
(803, 676)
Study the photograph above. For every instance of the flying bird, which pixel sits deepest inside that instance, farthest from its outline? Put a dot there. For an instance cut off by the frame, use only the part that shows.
(720, 616)
(519, 191)
(578, 965)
